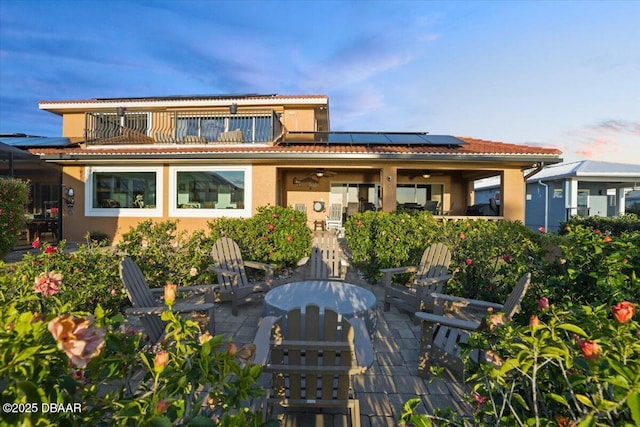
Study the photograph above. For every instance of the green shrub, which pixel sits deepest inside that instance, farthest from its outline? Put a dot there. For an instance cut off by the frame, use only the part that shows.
(165, 255)
(85, 278)
(275, 234)
(488, 257)
(614, 226)
(98, 370)
(381, 240)
(593, 267)
(578, 366)
(14, 194)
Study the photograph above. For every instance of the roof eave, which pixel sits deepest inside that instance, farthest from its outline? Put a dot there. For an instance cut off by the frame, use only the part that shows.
(54, 107)
(524, 160)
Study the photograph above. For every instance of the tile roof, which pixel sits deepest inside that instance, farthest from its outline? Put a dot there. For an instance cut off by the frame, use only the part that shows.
(471, 147)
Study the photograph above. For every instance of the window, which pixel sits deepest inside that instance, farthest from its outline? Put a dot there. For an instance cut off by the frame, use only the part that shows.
(198, 191)
(418, 194)
(117, 191)
(254, 128)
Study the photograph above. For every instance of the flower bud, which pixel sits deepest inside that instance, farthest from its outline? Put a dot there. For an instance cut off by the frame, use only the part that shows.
(162, 406)
(204, 337)
(534, 321)
(591, 350)
(232, 349)
(543, 303)
(623, 312)
(170, 294)
(161, 360)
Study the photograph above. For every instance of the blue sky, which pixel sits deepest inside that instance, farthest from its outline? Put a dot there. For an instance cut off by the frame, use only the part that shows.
(561, 74)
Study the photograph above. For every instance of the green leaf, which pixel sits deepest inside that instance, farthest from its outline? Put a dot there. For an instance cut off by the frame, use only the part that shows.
(633, 402)
(606, 405)
(618, 381)
(255, 371)
(98, 312)
(520, 400)
(589, 420)
(559, 399)
(420, 420)
(25, 354)
(553, 352)
(30, 391)
(160, 422)
(572, 328)
(509, 365)
(584, 400)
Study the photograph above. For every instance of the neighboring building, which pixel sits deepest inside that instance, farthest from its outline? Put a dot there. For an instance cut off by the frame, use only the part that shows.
(45, 179)
(195, 158)
(584, 188)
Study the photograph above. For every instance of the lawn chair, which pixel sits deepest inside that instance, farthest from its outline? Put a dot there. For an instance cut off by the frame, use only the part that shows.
(312, 359)
(441, 336)
(327, 261)
(431, 206)
(233, 283)
(334, 220)
(431, 275)
(148, 310)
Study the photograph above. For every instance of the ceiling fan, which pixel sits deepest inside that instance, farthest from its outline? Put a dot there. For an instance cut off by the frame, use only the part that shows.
(423, 174)
(309, 180)
(321, 172)
(316, 175)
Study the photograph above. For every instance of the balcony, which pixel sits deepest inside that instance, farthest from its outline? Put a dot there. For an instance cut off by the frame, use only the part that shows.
(182, 127)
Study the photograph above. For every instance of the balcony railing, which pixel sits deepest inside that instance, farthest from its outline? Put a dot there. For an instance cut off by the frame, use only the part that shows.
(183, 127)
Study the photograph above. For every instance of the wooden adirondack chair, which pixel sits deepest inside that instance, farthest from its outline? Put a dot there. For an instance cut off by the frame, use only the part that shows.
(431, 275)
(148, 310)
(441, 336)
(233, 284)
(312, 359)
(334, 220)
(327, 260)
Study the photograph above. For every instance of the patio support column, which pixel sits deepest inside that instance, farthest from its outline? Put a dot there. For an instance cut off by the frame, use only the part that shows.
(571, 197)
(620, 201)
(513, 195)
(389, 181)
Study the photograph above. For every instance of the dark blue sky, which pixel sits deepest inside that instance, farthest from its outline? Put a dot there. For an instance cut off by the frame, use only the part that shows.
(563, 74)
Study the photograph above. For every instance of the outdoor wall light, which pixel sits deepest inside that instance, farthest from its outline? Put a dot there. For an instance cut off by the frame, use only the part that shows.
(233, 108)
(426, 175)
(120, 111)
(70, 197)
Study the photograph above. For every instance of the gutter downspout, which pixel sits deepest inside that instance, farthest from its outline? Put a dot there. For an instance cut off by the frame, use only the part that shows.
(538, 168)
(546, 205)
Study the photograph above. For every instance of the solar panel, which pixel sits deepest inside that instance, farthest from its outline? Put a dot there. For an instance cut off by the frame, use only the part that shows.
(371, 138)
(26, 141)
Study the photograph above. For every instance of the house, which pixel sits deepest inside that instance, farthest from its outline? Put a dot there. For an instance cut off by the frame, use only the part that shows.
(195, 158)
(584, 188)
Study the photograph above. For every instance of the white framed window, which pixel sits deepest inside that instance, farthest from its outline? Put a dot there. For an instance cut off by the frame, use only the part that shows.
(123, 191)
(210, 191)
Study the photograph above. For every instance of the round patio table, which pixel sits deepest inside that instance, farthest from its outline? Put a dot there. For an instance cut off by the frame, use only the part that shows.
(346, 299)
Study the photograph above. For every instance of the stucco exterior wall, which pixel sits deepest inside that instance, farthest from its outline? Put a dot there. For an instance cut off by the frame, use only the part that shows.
(73, 125)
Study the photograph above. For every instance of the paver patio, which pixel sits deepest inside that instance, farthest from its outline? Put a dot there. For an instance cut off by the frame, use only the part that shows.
(383, 389)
